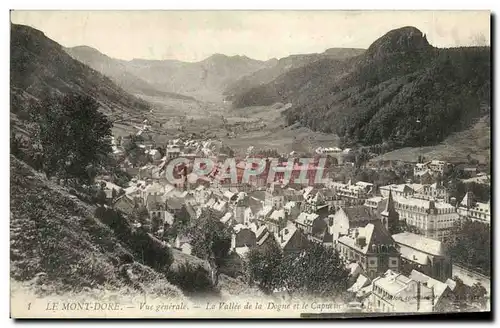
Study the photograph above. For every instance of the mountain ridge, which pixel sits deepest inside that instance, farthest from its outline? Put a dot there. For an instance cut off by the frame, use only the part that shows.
(384, 94)
(40, 66)
(202, 80)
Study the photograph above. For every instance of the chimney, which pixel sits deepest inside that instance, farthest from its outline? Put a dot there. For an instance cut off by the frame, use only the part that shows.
(361, 242)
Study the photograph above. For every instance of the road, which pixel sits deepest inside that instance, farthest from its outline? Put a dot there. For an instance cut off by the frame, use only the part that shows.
(470, 278)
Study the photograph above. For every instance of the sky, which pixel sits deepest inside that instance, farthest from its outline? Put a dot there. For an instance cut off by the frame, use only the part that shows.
(195, 35)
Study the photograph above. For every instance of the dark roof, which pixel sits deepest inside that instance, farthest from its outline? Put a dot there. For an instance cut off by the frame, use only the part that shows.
(380, 235)
(359, 213)
(328, 192)
(259, 194)
(255, 205)
(294, 198)
(191, 210)
(323, 211)
(174, 203)
(152, 202)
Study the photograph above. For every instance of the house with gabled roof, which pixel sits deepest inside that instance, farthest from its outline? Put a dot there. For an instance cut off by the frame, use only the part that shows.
(291, 239)
(372, 247)
(396, 292)
(426, 255)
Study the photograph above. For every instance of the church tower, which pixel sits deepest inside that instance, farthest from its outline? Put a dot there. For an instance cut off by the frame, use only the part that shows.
(389, 216)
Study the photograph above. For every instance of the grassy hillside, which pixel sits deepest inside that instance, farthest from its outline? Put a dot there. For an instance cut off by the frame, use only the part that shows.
(474, 141)
(59, 246)
(401, 91)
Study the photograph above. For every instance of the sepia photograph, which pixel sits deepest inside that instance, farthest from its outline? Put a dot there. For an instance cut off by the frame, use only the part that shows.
(250, 164)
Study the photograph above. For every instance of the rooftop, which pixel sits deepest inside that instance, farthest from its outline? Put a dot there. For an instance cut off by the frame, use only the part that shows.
(421, 243)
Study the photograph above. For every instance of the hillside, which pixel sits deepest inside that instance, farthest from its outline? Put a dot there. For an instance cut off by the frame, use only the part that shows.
(474, 141)
(58, 245)
(401, 91)
(40, 66)
(284, 65)
(116, 70)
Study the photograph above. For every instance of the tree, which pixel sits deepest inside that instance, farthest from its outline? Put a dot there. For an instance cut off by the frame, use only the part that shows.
(192, 279)
(317, 271)
(101, 197)
(180, 224)
(263, 264)
(211, 238)
(15, 144)
(469, 244)
(73, 135)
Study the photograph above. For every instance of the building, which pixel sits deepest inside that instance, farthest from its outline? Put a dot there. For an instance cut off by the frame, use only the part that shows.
(372, 247)
(276, 220)
(274, 196)
(395, 292)
(242, 236)
(158, 213)
(291, 239)
(126, 203)
(184, 244)
(426, 255)
(352, 217)
(434, 167)
(434, 219)
(304, 222)
(239, 203)
(397, 190)
(442, 292)
(292, 210)
(154, 189)
(331, 199)
(201, 194)
(476, 211)
(353, 194)
(173, 151)
(432, 191)
(263, 236)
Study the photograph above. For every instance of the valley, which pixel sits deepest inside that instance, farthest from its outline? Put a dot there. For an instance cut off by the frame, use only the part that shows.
(107, 197)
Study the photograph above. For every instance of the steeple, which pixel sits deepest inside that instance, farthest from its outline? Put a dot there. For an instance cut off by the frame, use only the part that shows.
(389, 214)
(389, 206)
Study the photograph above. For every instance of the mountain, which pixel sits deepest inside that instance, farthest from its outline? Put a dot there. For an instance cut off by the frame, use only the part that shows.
(402, 92)
(39, 66)
(117, 70)
(283, 65)
(205, 80)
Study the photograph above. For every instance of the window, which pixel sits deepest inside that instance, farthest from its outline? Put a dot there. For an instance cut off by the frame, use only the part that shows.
(372, 262)
(394, 262)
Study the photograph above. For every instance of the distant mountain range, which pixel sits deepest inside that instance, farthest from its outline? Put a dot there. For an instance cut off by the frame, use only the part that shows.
(40, 66)
(283, 65)
(204, 80)
(118, 71)
(401, 91)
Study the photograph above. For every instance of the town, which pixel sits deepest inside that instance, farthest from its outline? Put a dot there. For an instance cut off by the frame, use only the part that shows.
(392, 238)
(250, 164)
